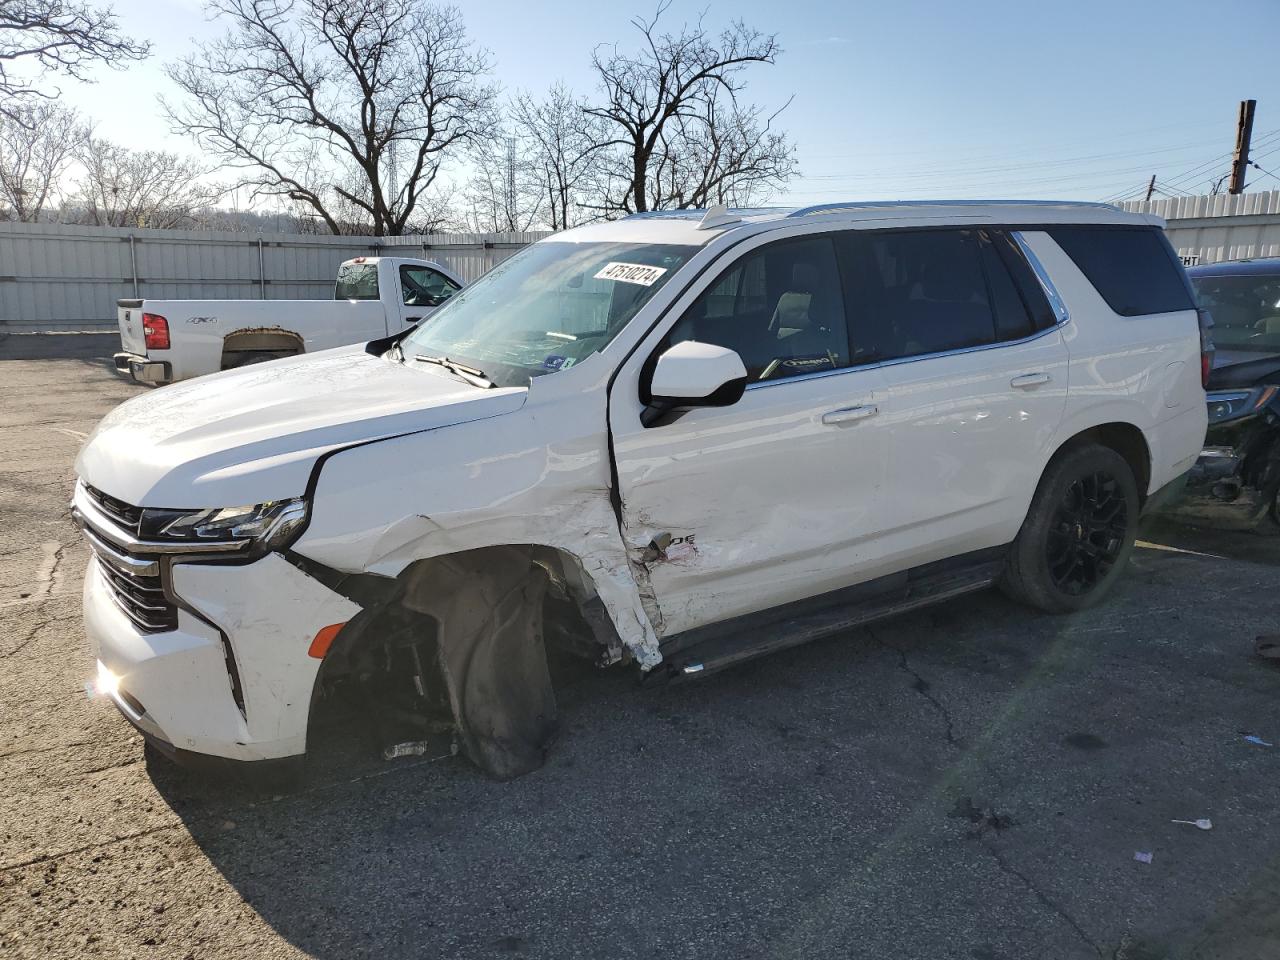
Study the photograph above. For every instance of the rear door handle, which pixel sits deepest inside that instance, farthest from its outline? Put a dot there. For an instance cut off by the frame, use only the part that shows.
(849, 414)
(1028, 380)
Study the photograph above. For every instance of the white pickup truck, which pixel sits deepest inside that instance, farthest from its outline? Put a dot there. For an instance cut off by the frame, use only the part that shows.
(166, 340)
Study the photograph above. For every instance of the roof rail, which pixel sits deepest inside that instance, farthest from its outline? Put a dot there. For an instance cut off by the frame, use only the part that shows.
(860, 204)
(699, 213)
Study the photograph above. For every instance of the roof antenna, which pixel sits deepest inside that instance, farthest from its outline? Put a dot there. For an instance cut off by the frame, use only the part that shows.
(717, 216)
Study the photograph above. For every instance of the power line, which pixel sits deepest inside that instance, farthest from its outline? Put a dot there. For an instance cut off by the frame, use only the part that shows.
(1267, 172)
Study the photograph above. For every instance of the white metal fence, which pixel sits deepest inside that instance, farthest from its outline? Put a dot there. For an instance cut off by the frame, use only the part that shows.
(1223, 227)
(63, 277)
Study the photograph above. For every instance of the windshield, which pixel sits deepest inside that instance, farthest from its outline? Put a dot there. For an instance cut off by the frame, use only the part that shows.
(1245, 310)
(547, 308)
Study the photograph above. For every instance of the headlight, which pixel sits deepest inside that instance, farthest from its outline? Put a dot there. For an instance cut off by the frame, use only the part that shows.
(1235, 404)
(268, 525)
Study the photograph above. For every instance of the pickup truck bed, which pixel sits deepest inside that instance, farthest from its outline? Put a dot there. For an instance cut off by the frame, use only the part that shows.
(167, 340)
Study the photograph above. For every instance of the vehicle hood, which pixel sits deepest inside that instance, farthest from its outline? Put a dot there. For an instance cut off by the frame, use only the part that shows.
(251, 435)
(1237, 369)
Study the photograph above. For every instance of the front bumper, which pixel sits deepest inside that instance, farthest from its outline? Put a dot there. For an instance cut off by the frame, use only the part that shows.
(226, 670)
(142, 369)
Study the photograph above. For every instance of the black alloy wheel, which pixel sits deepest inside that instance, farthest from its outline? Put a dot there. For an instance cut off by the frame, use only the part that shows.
(1087, 533)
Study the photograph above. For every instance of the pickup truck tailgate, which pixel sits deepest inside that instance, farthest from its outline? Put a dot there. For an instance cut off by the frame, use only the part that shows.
(129, 316)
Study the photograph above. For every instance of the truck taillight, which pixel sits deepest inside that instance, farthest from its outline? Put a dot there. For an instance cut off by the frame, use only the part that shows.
(1206, 346)
(156, 330)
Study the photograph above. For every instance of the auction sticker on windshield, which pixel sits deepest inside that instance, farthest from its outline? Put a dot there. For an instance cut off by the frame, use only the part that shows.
(640, 273)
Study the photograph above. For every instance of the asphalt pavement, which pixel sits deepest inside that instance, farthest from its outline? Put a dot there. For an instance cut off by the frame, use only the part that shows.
(970, 781)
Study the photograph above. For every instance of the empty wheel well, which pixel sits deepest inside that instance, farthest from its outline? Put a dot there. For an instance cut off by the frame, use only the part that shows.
(461, 641)
(273, 341)
(1126, 440)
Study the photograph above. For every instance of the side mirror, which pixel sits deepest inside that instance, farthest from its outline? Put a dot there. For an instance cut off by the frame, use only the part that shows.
(693, 374)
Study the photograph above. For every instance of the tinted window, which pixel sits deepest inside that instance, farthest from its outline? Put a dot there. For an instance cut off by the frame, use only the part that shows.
(357, 281)
(918, 292)
(780, 308)
(1024, 278)
(424, 287)
(1013, 320)
(1133, 269)
(1245, 310)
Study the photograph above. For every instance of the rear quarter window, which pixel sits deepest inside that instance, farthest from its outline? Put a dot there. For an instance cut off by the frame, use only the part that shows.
(357, 281)
(1134, 270)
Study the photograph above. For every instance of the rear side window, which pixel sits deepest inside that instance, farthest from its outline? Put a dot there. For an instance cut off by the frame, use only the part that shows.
(916, 293)
(1133, 269)
(357, 281)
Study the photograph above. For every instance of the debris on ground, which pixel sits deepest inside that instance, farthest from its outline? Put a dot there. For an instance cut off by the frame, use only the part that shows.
(420, 748)
(1268, 646)
(1142, 857)
(1251, 738)
(1202, 824)
(410, 748)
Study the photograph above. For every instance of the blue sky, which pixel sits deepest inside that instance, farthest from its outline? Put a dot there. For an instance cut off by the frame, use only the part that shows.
(896, 100)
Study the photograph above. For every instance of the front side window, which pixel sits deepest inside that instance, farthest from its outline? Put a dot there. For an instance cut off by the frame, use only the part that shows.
(547, 308)
(357, 281)
(424, 287)
(1245, 310)
(780, 307)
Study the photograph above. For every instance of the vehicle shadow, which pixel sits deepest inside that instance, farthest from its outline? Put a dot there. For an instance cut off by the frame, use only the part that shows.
(921, 788)
(1254, 542)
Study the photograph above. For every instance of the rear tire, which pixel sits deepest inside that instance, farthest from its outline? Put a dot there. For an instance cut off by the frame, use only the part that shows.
(1078, 535)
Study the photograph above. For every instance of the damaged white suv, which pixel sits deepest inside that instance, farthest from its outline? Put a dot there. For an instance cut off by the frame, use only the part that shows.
(677, 440)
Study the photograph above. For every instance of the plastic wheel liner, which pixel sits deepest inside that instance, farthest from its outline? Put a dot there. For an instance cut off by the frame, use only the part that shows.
(488, 608)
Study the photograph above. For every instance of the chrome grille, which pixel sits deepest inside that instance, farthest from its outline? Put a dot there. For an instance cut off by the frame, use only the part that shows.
(133, 578)
(142, 599)
(127, 515)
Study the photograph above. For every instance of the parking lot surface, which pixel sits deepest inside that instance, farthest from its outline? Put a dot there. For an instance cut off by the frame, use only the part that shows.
(971, 781)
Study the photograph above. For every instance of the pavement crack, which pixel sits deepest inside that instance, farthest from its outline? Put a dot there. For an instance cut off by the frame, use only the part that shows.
(61, 854)
(1040, 895)
(31, 635)
(49, 573)
(47, 749)
(921, 686)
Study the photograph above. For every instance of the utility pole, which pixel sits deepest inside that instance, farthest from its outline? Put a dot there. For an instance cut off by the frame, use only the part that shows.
(1244, 133)
(1151, 187)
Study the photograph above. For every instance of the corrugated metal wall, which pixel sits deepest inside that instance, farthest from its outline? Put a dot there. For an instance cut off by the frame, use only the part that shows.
(1223, 227)
(61, 277)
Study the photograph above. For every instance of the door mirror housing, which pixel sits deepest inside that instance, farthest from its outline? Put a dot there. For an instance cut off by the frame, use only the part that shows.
(692, 374)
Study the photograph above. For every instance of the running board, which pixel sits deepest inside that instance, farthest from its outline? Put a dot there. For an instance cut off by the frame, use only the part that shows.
(741, 640)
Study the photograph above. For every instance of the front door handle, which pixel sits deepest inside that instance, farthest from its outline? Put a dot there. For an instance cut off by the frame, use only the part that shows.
(412, 319)
(1029, 380)
(850, 414)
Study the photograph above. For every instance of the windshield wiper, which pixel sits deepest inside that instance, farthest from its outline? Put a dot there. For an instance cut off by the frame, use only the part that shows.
(472, 375)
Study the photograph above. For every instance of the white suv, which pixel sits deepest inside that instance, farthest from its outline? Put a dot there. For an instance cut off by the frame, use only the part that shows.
(678, 440)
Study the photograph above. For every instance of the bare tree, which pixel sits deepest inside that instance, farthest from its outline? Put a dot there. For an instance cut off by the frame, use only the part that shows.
(563, 150)
(38, 37)
(140, 188)
(502, 196)
(677, 99)
(722, 156)
(300, 94)
(37, 149)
